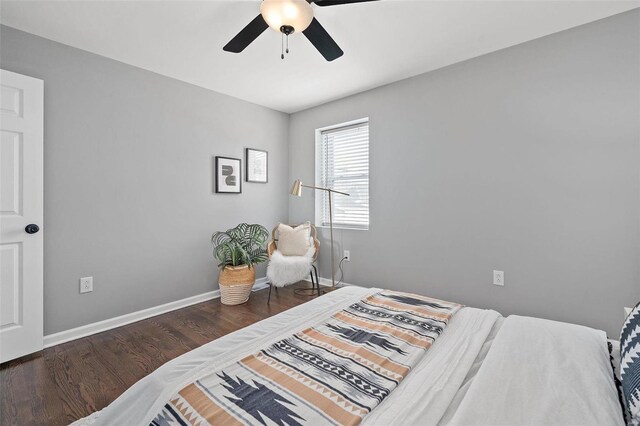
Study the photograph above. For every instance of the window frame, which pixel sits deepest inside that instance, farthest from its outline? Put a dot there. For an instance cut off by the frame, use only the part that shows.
(318, 174)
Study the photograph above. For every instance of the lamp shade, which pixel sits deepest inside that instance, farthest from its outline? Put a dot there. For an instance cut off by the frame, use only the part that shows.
(294, 13)
(296, 189)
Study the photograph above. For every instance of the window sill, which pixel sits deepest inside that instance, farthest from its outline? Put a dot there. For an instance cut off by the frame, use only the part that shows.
(348, 228)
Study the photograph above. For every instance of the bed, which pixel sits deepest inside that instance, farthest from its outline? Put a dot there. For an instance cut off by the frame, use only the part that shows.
(483, 369)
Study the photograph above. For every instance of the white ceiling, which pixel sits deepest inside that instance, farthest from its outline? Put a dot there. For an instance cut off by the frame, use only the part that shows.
(383, 41)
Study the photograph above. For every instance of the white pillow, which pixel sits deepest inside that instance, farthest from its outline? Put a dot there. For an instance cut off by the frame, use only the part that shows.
(294, 241)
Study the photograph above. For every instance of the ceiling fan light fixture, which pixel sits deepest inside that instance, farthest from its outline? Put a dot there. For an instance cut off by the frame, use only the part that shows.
(297, 14)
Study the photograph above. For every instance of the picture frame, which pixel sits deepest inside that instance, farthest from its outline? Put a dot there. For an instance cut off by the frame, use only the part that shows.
(257, 165)
(228, 173)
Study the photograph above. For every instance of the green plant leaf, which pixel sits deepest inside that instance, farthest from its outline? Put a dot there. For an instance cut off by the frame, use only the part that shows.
(242, 245)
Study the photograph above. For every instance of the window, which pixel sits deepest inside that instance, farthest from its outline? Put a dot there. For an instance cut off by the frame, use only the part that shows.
(342, 163)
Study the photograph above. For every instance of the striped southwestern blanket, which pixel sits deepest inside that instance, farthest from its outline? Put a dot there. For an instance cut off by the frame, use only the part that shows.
(335, 372)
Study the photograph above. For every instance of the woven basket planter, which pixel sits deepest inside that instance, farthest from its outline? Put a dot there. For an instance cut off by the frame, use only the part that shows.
(235, 284)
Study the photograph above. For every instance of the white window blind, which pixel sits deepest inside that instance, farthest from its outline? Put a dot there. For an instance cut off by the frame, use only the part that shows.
(344, 166)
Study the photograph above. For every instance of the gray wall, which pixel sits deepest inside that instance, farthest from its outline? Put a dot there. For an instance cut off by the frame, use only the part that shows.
(525, 160)
(128, 179)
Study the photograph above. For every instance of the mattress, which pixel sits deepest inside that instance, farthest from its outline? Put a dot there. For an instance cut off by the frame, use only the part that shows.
(450, 385)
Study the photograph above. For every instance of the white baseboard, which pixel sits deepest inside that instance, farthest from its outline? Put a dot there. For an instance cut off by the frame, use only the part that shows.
(108, 324)
(326, 282)
(260, 284)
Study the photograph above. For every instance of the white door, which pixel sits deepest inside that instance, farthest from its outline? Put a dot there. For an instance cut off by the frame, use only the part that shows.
(21, 205)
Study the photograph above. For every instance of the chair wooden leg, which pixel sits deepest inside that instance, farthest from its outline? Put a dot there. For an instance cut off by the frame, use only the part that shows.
(269, 298)
(313, 281)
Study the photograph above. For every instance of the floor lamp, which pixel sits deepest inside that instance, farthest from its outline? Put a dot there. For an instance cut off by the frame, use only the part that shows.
(296, 190)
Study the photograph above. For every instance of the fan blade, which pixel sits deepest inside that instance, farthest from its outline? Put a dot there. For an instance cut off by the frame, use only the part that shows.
(337, 2)
(321, 39)
(247, 35)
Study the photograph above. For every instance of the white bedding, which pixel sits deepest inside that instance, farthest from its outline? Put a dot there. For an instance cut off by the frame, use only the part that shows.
(541, 372)
(427, 392)
(453, 383)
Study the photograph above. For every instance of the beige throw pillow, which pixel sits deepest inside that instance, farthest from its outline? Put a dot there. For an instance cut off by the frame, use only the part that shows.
(294, 241)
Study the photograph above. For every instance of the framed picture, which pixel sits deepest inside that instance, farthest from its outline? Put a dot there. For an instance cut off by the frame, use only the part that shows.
(257, 165)
(228, 175)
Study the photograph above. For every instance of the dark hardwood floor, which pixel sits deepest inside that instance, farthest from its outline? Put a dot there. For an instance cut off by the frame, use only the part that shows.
(66, 382)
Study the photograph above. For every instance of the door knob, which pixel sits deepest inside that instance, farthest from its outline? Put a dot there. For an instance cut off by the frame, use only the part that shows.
(32, 228)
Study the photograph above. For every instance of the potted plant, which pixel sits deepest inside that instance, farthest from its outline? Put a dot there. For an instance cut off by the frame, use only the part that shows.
(238, 250)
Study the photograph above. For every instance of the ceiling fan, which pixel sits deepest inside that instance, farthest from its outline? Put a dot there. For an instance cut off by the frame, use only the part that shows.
(287, 17)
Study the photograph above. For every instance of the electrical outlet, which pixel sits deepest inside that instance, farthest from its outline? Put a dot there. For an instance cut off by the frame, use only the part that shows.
(498, 278)
(347, 255)
(86, 285)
